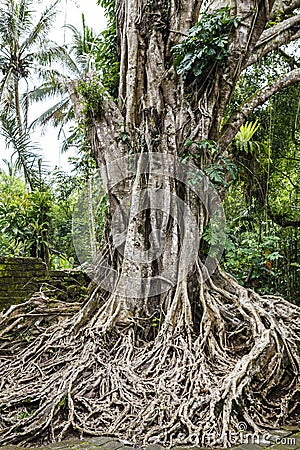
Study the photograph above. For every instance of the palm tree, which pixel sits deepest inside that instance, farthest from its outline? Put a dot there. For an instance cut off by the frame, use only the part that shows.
(78, 60)
(20, 142)
(24, 53)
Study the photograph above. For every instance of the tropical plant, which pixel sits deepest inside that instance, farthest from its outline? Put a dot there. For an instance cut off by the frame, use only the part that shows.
(206, 43)
(263, 204)
(24, 152)
(79, 59)
(38, 223)
(24, 219)
(244, 137)
(260, 253)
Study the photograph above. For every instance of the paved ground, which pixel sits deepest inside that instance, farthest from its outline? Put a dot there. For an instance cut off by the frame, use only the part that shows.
(288, 439)
(277, 440)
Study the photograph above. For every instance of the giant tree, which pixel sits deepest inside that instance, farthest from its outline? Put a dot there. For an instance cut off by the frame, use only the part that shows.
(168, 347)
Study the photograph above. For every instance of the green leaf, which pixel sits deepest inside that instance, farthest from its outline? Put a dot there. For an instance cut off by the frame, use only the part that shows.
(188, 143)
(206, 43)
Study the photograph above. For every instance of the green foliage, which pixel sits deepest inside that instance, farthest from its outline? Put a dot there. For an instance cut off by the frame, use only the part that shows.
(77, 60)
(255, 77)
(156, 321)
(64, 188)
(97, 53)
(84, 47)
(205, 144)
(244, 138)
(38, 223)
(220, 170)
(25, 153)
(93, 95)
(107, 60)
(25, 51)
(258, 252)
(25, 414)
(206, 44)
(62, 402)
(269, 164)
(217, 172)
(88, 53)
(24, 219)
(24, 40)
(244, 252)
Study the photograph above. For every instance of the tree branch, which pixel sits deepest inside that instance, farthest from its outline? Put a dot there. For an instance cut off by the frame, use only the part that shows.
(289, 59)
(254, 17)
(284, 7)
(258, 98)
(274, 37)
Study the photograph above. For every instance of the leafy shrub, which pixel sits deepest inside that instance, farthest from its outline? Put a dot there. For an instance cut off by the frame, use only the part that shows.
(24, 219)
(36, 223)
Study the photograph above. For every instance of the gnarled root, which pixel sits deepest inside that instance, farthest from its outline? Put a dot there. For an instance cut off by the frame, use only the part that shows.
(21, 323)
(188, 384)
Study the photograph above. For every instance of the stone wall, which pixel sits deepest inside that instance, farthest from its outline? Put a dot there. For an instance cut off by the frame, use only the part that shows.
(21, 277)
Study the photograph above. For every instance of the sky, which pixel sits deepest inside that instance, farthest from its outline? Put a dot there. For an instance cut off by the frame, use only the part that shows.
(69, 13)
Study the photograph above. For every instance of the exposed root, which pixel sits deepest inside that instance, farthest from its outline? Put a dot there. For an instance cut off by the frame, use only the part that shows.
(82, 377)
(21, 323)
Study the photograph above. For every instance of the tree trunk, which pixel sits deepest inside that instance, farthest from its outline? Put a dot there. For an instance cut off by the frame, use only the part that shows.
(168, 347)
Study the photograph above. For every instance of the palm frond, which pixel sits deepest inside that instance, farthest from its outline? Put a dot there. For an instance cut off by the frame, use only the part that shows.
(41, 29)
(25, 108)
(23, 13)
(8, 22)
(55, 115)
(6, 89)
(27, 152)
(45, 92)
(72, 140)
(84, 45)
(55, 53)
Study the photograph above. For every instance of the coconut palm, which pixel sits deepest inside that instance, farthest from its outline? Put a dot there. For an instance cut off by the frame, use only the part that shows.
(24, 53)
(77, 60)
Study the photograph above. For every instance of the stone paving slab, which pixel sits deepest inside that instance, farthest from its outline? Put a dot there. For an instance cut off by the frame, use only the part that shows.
(286, 439)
